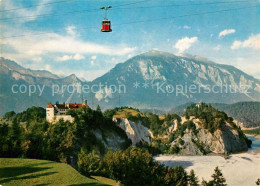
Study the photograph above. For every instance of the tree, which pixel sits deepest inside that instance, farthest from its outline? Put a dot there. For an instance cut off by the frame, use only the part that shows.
(98, 108)
(193, 179)
(15, 137)
(258, 181)
(218, 178)
(176, 176)
(60, 141)
(88, 164)
(4, 147)
(9, 115)
(204, 182)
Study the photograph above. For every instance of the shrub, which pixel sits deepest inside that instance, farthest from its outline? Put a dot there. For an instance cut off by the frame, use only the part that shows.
(89, 164)
(175, 149)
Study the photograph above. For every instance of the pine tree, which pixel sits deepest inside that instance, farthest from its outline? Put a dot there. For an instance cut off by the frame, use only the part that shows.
(193, 179)
(204, 182)
(98, 108)
(218, 178)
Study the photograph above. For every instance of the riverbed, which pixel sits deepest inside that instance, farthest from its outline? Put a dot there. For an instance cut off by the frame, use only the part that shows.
(241, 169)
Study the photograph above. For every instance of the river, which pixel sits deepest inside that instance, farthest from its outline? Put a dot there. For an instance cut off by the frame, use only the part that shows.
(241, 169)
(255, 143)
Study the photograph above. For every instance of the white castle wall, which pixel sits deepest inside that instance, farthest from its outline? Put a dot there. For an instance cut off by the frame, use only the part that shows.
(64, 117)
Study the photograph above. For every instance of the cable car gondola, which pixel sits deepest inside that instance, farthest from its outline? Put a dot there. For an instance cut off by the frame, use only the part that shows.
(106, 24)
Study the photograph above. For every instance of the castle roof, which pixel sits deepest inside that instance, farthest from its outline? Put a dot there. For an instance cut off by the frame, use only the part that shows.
(74, 105)
(61, 106)
(49, 105)
(66, 106)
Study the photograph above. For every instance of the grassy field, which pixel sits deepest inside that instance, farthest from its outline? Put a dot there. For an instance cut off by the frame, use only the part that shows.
(124, 113)
(16, 171)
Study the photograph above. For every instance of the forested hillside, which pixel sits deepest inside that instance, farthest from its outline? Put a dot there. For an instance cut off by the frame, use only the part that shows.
(27, 134)
(247, 113)
(93, 144)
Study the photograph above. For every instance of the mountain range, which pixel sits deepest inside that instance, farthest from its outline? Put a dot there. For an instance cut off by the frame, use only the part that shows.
(152, 80)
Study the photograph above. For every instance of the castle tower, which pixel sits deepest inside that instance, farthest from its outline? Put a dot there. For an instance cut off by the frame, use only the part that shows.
(50, 113)
(85, 102)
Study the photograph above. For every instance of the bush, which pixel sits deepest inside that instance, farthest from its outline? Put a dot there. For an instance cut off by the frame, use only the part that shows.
(89, 164)
(182, 128)
(151, 149)
(9, 115)
(175, 149)
(133, 166)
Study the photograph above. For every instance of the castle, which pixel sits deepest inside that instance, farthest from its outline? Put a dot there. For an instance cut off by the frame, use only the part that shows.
(58, 111)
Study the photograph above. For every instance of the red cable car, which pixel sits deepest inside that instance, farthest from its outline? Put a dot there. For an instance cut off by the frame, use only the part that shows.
(106, 24)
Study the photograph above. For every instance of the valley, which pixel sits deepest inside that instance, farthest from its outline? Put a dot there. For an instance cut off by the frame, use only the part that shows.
(239, 169)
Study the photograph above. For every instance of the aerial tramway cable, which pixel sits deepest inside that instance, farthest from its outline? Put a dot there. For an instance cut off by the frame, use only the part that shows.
(153, 20)
(117, 7)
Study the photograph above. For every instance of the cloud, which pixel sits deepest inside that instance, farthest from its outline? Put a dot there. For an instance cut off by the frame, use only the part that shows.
(71, 30)
(37, 59)
(70, 57)
(34, 45)
(186, 27)
(217, 48)
(48, 68)
(185, 43)
(78, 57)
(226, 32)
(252, 42)
(129, 56)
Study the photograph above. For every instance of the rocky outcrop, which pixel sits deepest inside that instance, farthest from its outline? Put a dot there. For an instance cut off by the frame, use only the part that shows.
(135, 131)
(201, 141)
(110, 139)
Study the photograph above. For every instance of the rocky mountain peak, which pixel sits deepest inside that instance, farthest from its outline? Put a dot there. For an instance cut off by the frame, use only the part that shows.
(72, 79)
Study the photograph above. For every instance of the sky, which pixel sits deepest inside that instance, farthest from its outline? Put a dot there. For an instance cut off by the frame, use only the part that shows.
(63, 36)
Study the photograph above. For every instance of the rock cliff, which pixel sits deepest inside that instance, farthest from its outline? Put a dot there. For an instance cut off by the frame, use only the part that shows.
(202, 141)
(134, 130)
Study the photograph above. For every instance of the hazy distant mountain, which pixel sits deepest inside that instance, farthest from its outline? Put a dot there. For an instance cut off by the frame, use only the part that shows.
(148, 80)
(160, 68)
(14, 76)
